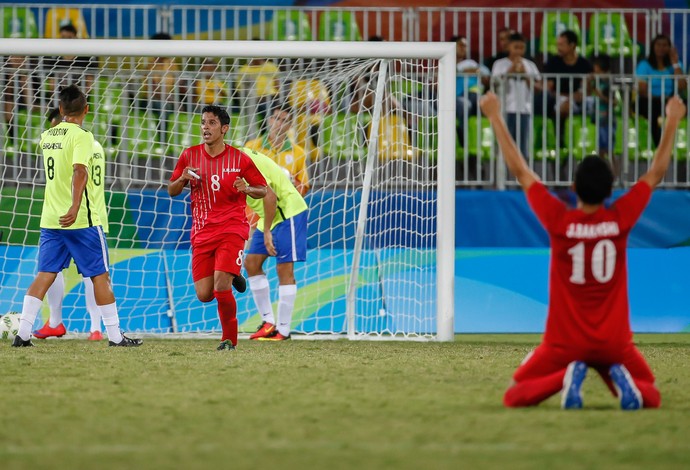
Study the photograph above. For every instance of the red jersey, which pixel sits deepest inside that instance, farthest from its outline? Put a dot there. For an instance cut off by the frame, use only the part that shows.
(588, 281)
(217, 207)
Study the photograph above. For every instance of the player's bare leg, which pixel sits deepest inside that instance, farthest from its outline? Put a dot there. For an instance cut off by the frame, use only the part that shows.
(105, 299)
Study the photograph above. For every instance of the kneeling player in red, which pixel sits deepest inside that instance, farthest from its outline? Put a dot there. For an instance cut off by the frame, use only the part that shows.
(588, 321)
(220, 177)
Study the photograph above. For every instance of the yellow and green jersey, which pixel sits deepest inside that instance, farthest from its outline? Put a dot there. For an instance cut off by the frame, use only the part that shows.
(290, 202)
(98, 176)
(63, 146)
(289, 156)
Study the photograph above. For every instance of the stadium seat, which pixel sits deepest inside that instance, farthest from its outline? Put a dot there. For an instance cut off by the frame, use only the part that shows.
(108, 97)
(681, 150)
(28, 130)
(608, 34)
(544, 138)
(18, 22)
(290, 25)
(640, 142)
(340, 137)
(338, 25)
(59, 17)
(480, 137)
(553, 24)
(580, 137)
(427, 136)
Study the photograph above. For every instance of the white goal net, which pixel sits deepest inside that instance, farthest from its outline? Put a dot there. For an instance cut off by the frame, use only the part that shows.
(376, 122)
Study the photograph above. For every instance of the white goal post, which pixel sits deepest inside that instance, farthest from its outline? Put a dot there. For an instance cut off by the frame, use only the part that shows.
(381, 261)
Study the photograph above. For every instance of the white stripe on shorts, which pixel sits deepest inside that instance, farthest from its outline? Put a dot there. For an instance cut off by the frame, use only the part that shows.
(104, 247)
(292, 240)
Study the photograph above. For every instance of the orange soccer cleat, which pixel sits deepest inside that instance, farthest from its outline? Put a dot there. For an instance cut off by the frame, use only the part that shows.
(264, 330)
(275, 336)
(95, 336)
(47, 331)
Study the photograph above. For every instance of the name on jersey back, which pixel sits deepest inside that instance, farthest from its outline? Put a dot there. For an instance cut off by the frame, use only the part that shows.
(600, 230)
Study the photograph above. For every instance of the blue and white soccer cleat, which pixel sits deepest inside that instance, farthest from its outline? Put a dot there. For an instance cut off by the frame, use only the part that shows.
(628, 393)
(571, 394)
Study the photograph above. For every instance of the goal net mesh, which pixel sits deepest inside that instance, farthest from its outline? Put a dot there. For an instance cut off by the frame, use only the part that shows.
(146, 110)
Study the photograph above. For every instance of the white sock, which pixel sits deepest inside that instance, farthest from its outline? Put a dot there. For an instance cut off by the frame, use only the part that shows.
(111, 322)
(91, 305)
(29, 312)
(55, 294)
(261, 292)
(286, 303)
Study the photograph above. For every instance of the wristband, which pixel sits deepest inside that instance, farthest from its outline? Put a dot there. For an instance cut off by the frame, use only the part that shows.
(676, 65)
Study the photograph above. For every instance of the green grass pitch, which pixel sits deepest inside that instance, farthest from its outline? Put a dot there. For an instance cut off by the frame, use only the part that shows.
(324, 405)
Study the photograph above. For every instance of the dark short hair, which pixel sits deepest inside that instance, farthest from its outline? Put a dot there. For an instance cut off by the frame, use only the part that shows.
(52, 114)
(570, 36)
(593, 180)
(161, 36)
(282, 108)
(219, 112)
(376, 38)
(603, 61)
(456, 38)
(651, 58)
(72, 100)
(514, 37)
(69, 27)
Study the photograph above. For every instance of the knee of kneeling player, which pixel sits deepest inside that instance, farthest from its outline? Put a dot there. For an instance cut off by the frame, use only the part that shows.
(205, 296)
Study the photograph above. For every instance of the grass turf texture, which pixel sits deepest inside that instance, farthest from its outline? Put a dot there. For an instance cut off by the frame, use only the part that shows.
(326, 404)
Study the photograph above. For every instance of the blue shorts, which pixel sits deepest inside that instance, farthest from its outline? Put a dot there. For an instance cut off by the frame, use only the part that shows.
(87, 246)
(289, 238)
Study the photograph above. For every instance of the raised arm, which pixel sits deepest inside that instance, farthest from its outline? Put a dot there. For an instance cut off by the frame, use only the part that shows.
(491, 107)
(675, 111)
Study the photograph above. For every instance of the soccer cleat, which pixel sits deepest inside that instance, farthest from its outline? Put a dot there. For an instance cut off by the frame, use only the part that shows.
(264, 330)
(571, 394)
(127, 342)
(275, 336)
(239, 283)
(47, 331)
(628, 393)
(18, 342)
(95, 336)
(226, 345)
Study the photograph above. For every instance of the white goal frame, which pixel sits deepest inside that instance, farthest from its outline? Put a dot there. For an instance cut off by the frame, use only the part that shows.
(443, 52)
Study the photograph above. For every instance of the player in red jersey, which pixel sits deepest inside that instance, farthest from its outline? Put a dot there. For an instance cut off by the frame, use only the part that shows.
(588, 321)
(220, 178)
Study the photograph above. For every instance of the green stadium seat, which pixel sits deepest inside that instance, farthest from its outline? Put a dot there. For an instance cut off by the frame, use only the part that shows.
(18, 22)
(553, 25)
(640, 141)
(338, 25)
(544, 138)
(480, 137)
(290, 25)
(108, 97)
(427, 136)
(140, 137)
(608, 34)
(239, 130)
(580, 137)
(339, 137)
(681, 150)
(28, 129)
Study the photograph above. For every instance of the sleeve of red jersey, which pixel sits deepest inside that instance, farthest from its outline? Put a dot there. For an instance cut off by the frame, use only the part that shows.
(545, 205)
(631, 205)
(251, 173)
(180, 166)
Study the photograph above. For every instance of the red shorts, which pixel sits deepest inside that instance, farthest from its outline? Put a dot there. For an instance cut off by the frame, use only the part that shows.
(547, 359)
(220, 254)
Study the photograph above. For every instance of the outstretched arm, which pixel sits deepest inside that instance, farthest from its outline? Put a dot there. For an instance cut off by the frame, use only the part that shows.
(675, 111)
(491, 107)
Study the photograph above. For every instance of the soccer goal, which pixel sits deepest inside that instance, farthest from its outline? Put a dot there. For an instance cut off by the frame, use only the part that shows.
(376, 122)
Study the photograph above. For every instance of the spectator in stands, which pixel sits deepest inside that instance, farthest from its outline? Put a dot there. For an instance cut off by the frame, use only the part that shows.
(467, 84)
(653, 93)
(310, 99)
(158, 92)
(276, 145)
(599, 85)
(70, 70)
(208, 88)
(517, 77)
(20, 86)
(258, 82)
(567, 90)
(503, 41)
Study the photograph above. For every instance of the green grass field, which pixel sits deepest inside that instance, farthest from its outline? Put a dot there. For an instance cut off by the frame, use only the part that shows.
(322, 404)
